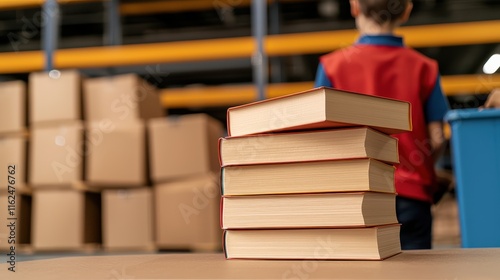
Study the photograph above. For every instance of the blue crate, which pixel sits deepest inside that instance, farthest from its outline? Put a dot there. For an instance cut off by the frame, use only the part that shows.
(475, 144)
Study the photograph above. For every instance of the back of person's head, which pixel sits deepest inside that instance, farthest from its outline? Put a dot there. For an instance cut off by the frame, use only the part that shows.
(384, 11)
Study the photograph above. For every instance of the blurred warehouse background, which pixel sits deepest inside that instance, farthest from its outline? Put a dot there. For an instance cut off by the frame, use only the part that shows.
(85, 24)
(201, 56)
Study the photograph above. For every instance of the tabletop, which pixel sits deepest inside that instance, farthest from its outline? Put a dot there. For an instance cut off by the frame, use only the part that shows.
(420, 264)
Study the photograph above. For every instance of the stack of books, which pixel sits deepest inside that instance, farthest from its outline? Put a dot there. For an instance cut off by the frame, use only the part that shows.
(311, 176)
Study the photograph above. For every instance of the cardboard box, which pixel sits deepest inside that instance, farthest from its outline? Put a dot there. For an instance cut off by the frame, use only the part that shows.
(127, 219)
(187, 214)
(12, 107)
(55, 98)
(119, 157)
(56, 154)
(15, 232)
(65, 219)
(13, 153)
(121, 99)
(183, 146)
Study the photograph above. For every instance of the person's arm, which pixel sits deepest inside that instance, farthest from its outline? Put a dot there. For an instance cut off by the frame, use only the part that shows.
(436, 135)
(493, 100)
(435, 108)
(321, 78)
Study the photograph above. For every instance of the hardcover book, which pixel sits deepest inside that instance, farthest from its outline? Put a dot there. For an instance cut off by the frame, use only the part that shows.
(347, 143)
(308, 177)
(372, 243)
(321, 107)
(351, 209)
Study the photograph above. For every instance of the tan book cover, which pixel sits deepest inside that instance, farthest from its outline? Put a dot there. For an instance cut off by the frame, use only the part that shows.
(346, 143)
(352, 209)
(321, 107)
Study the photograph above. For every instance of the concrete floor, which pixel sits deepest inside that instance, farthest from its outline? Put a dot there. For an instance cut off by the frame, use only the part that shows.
(446, 227)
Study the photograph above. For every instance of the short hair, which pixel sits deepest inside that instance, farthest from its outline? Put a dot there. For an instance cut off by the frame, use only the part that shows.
(383, 11)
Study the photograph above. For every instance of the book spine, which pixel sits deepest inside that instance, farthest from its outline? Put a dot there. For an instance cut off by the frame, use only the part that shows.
(224, 243)
(222, 173)
(228, 121)
(221, 212)
(219, 151)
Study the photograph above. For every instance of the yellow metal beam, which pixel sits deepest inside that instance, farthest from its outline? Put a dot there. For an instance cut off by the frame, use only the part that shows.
(159, 7)
(23, 4)
(452, 34)
(224, 95)
(466, 84)
(240, 94)
(243, 47)
(21, 62)
(182, 51)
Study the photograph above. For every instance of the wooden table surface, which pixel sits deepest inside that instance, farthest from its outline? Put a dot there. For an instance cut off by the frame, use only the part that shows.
(453, 264)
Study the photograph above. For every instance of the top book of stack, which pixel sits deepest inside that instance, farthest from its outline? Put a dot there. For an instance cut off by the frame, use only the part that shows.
(318, 108)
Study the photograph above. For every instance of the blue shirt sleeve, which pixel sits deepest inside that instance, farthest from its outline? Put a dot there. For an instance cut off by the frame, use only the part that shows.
(436, 105)
(321, 78)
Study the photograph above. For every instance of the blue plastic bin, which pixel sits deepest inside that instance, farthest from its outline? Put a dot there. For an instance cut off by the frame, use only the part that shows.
(475, 144)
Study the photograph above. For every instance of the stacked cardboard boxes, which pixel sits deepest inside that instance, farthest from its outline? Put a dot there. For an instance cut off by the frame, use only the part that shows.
(66, 214)
(15, 199)
(116, 110)
(184, 169)
(106, 166)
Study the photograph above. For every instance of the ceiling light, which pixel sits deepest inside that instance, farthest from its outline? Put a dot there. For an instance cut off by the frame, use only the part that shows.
(492, 65)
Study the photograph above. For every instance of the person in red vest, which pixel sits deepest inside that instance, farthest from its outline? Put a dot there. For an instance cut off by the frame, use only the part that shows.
(380, 64)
